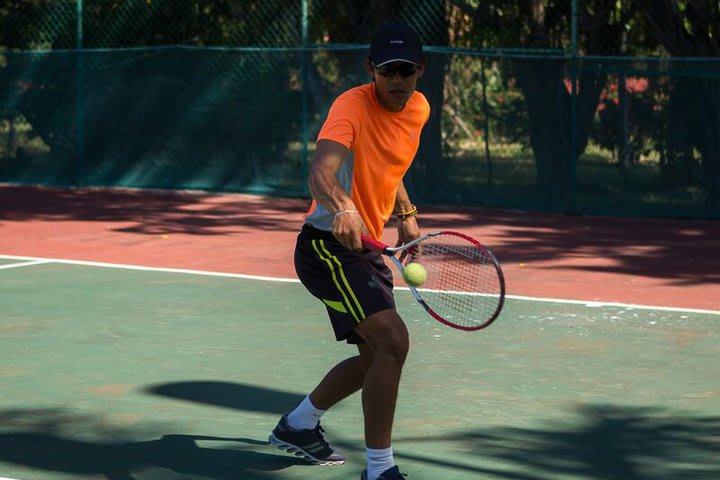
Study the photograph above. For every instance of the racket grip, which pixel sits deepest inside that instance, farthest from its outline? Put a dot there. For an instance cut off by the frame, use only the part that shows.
(372, 244)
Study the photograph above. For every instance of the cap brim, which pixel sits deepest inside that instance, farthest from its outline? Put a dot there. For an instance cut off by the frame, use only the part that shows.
(395, 60)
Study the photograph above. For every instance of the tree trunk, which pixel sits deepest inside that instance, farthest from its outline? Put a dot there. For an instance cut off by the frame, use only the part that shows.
(547, 87)
(428, 180)
(549, 113)
(694, 32)
(542, 83)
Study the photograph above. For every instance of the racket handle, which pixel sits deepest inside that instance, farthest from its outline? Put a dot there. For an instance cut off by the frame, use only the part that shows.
(372, 244)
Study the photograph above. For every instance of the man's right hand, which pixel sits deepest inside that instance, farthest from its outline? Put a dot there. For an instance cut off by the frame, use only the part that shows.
(347, 227)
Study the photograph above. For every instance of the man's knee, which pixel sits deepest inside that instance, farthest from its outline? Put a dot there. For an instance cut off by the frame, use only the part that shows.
(386, 334)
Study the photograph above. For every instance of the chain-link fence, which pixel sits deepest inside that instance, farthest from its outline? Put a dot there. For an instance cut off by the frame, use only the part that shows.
(229, 95)
(93, 24)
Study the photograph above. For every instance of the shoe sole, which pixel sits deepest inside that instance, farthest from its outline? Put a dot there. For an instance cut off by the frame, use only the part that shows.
(299, 452)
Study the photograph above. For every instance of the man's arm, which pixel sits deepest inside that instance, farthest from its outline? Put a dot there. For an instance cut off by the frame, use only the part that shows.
(327, 191)
(402, 200)
(408, 229)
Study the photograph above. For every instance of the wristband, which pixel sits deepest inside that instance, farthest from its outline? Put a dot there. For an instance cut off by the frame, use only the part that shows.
(344, 212)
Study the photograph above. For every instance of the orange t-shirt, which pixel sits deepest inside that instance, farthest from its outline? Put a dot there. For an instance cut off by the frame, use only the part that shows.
(383, 144)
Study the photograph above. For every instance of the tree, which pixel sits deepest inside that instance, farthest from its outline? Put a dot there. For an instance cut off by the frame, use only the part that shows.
(691, 28)
(545, 83)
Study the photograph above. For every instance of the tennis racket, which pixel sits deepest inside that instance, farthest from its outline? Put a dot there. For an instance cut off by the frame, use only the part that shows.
(465, 286)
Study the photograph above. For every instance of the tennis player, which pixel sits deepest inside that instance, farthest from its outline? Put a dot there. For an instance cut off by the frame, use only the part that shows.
(364, 149)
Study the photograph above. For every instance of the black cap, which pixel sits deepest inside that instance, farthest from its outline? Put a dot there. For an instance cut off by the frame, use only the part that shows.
(396, 43)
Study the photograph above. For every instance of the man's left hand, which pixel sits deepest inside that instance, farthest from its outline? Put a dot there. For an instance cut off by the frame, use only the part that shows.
(408, 231)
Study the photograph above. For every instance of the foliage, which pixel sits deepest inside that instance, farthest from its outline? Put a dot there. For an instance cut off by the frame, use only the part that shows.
(524, 100)
(482, 100)
(632, 118)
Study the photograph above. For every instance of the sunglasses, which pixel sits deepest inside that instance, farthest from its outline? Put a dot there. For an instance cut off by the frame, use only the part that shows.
(403, 69)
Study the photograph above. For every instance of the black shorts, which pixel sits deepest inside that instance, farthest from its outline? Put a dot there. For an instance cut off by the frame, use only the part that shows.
(352, 285)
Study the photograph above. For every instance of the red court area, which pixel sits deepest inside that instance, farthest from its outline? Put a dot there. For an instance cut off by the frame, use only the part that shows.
(661, 262)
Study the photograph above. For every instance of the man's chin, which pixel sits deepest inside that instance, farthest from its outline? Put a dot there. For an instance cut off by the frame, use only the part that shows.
(398, 99)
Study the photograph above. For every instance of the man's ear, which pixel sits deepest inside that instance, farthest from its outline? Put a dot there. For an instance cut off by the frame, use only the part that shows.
(422, 68)
(369, 68)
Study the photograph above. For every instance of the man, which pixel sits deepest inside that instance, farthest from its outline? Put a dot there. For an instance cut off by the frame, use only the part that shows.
(366, 145)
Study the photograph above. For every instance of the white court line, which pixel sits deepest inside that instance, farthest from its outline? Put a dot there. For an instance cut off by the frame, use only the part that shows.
(587, 303)
(151, 269)
(597, 304)
(22, 264)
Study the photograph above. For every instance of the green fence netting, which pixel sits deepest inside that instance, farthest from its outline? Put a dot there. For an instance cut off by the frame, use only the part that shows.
(229, 95)
(644, 131)
(61, 24)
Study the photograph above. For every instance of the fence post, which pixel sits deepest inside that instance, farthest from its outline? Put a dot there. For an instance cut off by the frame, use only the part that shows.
(573, 58)
(304, 91)
(79, 113)
(486, 121)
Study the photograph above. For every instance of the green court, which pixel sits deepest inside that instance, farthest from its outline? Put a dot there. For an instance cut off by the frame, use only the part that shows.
(121, 374)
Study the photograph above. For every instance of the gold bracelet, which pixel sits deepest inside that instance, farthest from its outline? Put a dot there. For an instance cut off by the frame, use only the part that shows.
(410, 213)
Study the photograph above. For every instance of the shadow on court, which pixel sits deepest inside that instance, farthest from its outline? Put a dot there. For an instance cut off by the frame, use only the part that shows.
(41, 439)
(681, 251)
(610, 442)
(151, 211)
(120, 461)
(229, 395)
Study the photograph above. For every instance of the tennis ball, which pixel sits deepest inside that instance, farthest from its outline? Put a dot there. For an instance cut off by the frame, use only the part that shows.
(414, 274)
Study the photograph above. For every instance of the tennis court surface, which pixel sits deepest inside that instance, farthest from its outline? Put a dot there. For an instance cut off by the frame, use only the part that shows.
(155, 336)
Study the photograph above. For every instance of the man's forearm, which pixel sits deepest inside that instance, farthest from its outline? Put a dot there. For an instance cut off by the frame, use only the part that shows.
(326, 190)
(402, 200)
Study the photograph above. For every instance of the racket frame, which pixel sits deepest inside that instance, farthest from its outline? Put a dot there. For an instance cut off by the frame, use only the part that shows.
(379, 247)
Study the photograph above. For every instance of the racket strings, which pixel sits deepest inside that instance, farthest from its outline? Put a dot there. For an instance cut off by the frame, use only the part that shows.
(462, 285)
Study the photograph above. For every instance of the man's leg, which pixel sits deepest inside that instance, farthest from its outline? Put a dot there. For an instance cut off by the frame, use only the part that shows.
(298, 432)
(387, 337)
(346, 378)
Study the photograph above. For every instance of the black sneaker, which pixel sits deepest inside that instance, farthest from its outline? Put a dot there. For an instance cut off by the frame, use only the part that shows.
(389, 474)
(308, 444)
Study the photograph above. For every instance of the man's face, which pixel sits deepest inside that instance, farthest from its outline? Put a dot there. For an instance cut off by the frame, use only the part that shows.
(395, 82)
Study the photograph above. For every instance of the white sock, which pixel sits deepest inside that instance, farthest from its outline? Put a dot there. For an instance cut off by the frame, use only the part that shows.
(378, 461)
(305, 416)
